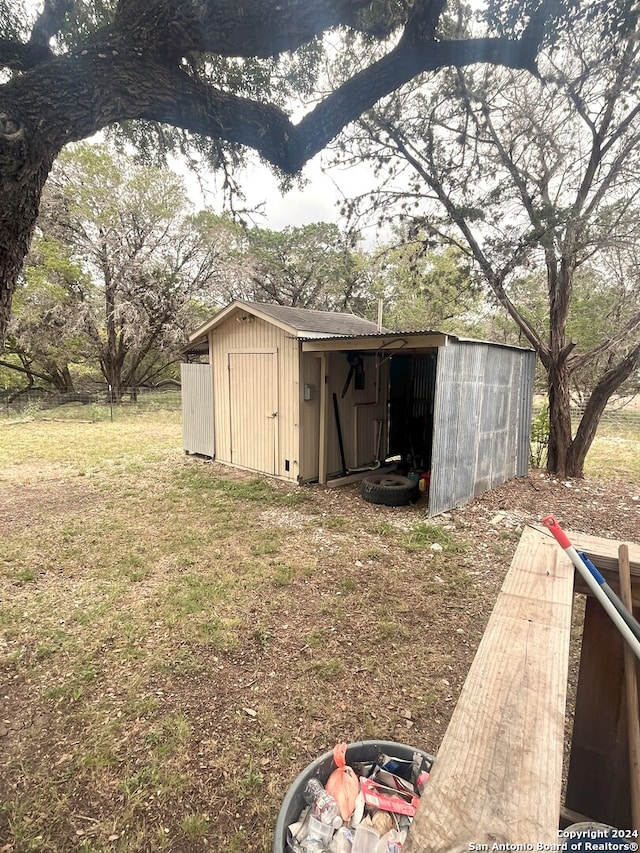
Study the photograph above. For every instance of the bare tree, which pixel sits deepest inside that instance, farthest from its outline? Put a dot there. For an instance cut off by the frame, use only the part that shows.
(310, 266)
(134, 259)
(529, 174)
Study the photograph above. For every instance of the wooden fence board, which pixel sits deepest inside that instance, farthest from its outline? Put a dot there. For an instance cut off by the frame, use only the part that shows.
(603, 553)
(598, 782)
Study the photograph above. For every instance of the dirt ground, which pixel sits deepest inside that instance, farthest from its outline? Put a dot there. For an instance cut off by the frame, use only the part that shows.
(609, 509)
(269, 695)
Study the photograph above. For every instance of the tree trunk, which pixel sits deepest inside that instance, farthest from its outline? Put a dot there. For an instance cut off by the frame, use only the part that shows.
(21, 183)
(62, 379)
(112, 357)
(598, 400)
(559, 283)
(559, 419)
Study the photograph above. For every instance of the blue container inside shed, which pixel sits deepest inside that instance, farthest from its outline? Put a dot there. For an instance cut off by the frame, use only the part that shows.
(366, 751)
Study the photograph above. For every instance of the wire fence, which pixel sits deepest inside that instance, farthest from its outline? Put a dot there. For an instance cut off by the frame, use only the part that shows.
(619, 421)
(100, 401)
(616, 416)
(623, 412)
(89, 403)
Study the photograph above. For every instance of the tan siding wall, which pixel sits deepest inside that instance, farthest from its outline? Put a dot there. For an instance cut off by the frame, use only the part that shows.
(241, 401)
(310, 416)
(253, 409)
(254, 336)
(358, 412)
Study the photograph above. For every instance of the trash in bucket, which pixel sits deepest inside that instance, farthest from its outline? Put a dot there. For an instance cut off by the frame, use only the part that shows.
(343, 784)
(390, 777)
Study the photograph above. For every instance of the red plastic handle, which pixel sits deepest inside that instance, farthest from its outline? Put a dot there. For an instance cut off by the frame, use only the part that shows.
(556, 531)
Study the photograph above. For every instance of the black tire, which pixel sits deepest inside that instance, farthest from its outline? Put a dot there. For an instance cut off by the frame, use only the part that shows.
(389, 490)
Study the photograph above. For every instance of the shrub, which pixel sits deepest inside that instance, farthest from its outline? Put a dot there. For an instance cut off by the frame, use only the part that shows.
(539, 445)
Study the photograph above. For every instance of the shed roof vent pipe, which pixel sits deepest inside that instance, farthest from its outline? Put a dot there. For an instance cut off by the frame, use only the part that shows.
(380, 306)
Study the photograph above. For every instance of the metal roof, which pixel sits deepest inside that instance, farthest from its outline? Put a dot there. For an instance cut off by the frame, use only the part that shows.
(308, 325)
(384, 333)
(422, 333)
(298, 321)
(316, 322)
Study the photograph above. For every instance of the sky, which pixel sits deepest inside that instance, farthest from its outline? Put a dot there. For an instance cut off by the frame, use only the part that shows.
(317, 200)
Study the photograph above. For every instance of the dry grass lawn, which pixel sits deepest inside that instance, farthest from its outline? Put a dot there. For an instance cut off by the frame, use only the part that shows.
(178, 640)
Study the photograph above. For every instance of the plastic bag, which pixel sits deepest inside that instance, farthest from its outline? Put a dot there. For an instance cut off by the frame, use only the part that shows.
(343, 784)
(342, 841)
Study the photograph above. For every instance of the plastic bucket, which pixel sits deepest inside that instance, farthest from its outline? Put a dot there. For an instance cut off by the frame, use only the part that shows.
(594, 836)
(364, 750)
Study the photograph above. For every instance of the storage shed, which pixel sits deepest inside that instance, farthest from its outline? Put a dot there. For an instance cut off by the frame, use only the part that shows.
(310, 396)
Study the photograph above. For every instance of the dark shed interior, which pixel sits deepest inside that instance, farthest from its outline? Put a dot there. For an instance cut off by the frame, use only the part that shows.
(412, 388)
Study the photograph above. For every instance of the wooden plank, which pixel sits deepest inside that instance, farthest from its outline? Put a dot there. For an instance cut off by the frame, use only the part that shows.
(614, 583)
(498, 773)
(598, 778)
(322, 447)
(632, 696)
(603, 553)
(569, 816)
(360, 475)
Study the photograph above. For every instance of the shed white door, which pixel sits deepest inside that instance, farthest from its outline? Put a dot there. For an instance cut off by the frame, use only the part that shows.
(253, 410)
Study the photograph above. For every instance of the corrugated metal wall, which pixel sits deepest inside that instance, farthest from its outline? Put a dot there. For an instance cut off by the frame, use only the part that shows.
(197, 409)
(481, 421)
(253, 336)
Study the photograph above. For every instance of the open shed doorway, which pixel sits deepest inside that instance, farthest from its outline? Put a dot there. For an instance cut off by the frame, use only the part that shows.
(412, 388)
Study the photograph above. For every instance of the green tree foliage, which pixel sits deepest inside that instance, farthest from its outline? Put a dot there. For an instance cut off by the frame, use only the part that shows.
(122, 268)
(424, 288)
(209, 78)
(535, 177)
(46, 341)
(316, 266)
(310, 266)
(603, 302)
